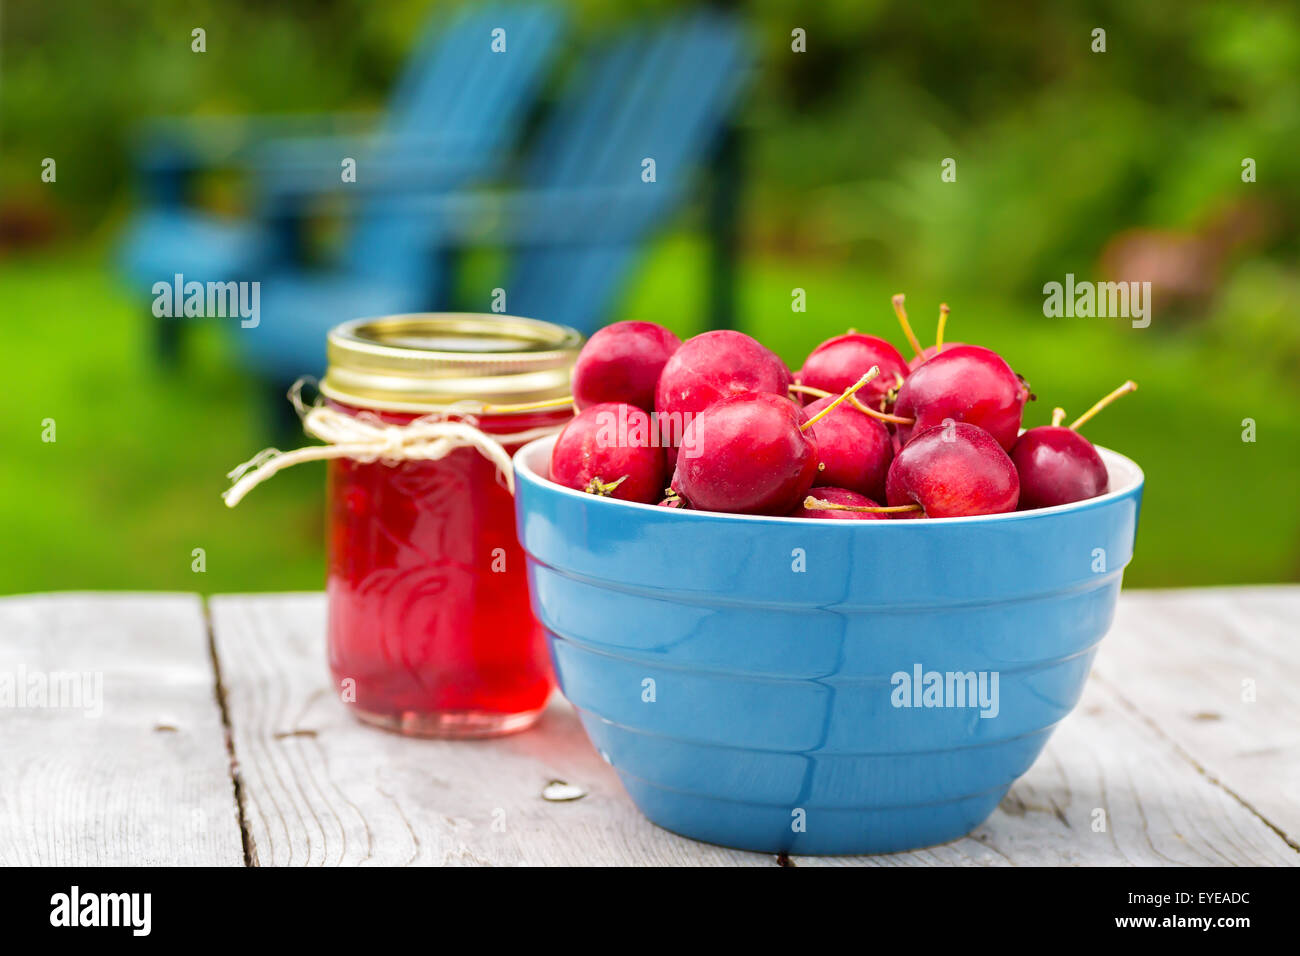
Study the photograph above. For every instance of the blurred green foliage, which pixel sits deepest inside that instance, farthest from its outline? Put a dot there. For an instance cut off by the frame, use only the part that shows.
(1060, 153)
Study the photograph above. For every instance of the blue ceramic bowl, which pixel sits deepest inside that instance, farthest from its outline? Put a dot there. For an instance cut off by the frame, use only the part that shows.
(808, 686)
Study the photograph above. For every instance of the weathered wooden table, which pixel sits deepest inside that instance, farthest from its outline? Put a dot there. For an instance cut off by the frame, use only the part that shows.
(221, 742)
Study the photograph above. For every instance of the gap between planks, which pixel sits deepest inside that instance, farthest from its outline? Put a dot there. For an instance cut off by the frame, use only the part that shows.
(236, 780)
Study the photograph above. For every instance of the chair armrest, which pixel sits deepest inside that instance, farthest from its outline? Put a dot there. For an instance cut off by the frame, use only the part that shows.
(172, 150)
(590, 216)
(302, 167)
(220, 134)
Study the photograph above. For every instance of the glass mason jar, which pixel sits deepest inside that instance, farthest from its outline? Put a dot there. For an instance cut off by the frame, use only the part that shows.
(428, 601)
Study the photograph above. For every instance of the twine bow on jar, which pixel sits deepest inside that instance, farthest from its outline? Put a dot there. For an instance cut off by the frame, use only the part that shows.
(366, 438)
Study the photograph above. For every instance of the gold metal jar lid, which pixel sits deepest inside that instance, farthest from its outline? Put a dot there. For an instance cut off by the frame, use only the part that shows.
(425, 361)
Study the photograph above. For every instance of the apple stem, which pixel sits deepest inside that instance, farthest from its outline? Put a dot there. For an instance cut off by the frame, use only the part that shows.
(529, 406)
(856, 403)
(847, 394)
(1129, 386)
(907, 326)
(1058, 416)
(809, 390)
(882, 416)
(603, 488)
(943, 321)
(813, 503)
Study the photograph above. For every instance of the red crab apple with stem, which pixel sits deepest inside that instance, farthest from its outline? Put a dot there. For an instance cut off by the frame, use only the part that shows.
(953, 470)
(610, 450)
(622, 363)
(837, 363)
(754, 453)
(841, 503)
(965, 383)
(1057, 465)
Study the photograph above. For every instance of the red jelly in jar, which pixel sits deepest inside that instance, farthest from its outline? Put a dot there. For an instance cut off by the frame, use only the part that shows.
(430, 629)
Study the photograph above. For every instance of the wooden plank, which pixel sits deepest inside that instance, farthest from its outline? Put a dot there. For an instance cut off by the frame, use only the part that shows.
(1217, 672)
(321, 789)
(114, 748)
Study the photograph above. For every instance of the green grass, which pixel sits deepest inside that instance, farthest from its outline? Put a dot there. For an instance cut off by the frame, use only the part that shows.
(132, 484)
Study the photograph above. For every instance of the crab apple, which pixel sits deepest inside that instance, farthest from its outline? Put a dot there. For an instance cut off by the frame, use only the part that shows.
(838, 362)
(708, 368)
(717, 365)
(966, 383)
(747, 454)
(842, 503)
(929, 352)
(610, 449)
(622, 363)
(1058, 465)
(853, 450)
(953, 470)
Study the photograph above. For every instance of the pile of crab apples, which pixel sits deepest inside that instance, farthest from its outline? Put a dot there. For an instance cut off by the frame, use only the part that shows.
(719, 423)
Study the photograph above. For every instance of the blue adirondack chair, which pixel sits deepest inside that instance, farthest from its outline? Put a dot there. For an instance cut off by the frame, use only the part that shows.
(452, 118)
(660, 92)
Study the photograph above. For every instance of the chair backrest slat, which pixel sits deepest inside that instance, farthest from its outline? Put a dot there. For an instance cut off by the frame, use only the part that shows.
(675, 88)
(471, 96)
